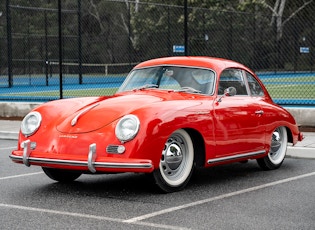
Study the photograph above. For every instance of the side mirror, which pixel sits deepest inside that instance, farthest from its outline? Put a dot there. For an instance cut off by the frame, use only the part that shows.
(228, 92)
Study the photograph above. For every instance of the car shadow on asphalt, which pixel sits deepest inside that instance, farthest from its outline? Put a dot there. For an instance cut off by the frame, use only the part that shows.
(135, 184)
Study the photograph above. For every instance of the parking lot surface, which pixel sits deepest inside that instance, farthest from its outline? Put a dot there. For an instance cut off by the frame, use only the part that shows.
(235, 196)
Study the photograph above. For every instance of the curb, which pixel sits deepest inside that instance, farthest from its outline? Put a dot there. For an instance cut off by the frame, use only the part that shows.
(303, 152)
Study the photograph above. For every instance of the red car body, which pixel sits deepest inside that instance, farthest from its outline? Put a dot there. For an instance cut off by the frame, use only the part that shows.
(77, 135)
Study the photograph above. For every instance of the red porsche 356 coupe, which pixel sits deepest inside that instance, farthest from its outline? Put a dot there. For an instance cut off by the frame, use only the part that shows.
(169, 116)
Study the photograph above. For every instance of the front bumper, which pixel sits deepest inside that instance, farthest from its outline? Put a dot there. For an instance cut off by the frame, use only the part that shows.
(28, 158)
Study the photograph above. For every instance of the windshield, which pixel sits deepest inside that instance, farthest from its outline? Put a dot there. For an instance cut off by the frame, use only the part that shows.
(188, 79)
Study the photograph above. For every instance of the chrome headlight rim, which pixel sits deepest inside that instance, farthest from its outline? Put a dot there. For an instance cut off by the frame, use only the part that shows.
(127, 128)
(27, 128)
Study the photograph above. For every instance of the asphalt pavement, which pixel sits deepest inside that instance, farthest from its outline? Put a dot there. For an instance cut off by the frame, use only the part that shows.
(9, 130)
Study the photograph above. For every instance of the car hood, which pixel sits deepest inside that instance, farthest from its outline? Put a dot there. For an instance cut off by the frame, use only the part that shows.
(93, 115)
(89, 115)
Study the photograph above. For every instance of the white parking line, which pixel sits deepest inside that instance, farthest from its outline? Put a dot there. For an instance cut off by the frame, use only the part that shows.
(301, 148)
(139, 220)
(8, 148)
(88, 216)
(21, 175)
(220, 197)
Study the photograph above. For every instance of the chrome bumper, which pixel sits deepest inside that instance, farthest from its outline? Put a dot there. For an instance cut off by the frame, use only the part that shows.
(90, 163)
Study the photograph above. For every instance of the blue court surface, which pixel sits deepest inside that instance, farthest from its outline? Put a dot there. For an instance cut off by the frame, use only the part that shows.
(38, 87)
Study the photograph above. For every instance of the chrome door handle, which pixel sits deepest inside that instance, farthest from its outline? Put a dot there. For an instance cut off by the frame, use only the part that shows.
(259, 112)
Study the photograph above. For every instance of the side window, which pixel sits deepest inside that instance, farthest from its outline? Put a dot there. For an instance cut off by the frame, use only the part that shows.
(234, 78)
(254, 86)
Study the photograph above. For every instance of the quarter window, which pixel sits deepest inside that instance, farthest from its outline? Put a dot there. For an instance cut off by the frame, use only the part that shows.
(254, 86)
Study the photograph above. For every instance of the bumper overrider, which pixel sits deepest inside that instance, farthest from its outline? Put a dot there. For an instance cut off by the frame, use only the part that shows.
(90, 164)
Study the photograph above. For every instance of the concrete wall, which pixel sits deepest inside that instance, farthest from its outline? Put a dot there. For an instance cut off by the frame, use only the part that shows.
(303, 116)
(16, 109)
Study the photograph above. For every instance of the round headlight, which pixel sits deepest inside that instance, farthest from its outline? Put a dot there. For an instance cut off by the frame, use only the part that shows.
(127, 128)
(31, 123)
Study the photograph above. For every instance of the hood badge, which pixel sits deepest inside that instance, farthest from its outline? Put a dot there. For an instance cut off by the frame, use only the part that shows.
(76, 118)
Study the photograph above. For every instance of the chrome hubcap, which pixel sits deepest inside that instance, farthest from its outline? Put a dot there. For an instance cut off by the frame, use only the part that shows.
(276, 144)
(172, 156)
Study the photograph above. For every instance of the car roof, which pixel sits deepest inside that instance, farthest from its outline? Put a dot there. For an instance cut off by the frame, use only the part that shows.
(217, 64)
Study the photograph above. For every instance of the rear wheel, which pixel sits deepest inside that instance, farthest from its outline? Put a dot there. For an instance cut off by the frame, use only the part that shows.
(177, 162)
(61, 175)
(278, 149)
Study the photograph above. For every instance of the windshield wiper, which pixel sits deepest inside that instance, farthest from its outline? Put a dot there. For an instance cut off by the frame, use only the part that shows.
(146, 86)
(188, 89)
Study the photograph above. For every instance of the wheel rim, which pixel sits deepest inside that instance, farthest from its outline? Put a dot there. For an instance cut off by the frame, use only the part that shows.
(278, 145)
(177, 159)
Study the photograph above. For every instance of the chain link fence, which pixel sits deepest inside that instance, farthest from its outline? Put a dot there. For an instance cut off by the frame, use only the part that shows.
(101, 42)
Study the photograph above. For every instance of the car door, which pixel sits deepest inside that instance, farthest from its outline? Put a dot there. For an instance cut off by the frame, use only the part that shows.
(238, 120)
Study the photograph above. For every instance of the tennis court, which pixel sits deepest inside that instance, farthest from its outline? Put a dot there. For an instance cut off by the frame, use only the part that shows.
(285, 88)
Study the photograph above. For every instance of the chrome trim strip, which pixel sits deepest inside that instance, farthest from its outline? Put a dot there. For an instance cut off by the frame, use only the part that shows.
(84, 163)
(76, 118)
(26, 145)
(215, 160)
(123, 165)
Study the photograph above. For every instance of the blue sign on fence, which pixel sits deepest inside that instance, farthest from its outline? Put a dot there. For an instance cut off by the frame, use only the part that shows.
(304, 50)
(178, 49)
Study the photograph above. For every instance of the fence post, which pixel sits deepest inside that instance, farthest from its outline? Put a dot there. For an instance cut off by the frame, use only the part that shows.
(169, 44)
(80, 42)
(60, 49)
(253, 54)
(277, 47)
(46, 48)
(296, 48)
(186, 26)
(130, 46)
(230, 36)
(9, 41)
(312, 47)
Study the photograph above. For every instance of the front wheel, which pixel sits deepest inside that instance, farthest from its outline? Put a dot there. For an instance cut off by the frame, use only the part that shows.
(177, 162)
(64, 176)
(278, 149)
